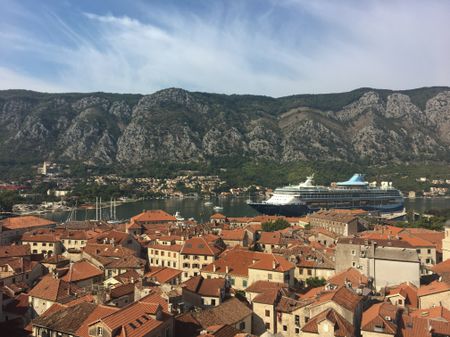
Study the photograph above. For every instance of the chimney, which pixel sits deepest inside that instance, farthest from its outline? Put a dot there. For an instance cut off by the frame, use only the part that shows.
(274, 264)
(214, 267)
(227, 269)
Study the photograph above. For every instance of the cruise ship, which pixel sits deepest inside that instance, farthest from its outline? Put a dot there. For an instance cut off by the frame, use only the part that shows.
(355, 193)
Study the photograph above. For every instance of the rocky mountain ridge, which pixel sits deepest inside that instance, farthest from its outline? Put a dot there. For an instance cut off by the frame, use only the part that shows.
(377, 126)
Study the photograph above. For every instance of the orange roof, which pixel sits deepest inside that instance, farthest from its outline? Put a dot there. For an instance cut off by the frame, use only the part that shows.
(158, 216)
(433, 288)
(218, 216)
(27, 221)
(352, 275)
(99, 312)
(407, 291)
(81, 270)
(342, 327)
(233, 234)
(170, 248)
(164, 274)
(199, 246)
(342, 296)
(273, 262)
(442, 268)
(270, 238)
(37, 236)
(440, 313)
(205, 287)
(51, 289)
(15, 251)
(237, 261)
(135, 319)
(377, 315)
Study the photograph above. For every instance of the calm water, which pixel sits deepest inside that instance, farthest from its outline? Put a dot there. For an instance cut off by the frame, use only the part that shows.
(195, 208)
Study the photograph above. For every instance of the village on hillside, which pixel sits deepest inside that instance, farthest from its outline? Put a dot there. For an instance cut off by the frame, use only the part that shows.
(330, 273)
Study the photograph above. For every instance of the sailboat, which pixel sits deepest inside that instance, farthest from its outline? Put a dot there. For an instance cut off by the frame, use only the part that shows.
(113, 212)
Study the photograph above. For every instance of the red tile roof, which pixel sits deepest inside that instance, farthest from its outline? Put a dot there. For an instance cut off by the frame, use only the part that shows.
(407, 291)
(433, 288)
(238, 261)
(351, 275)
(342, 327)
(15, 251)
(271, 238)
(155, 216)
(218, 216)
(82, 270)
(164, 274)
(205, 287)
(199, 246)
(233, 234)
(27, 221)
(381, 314)
(52, 289)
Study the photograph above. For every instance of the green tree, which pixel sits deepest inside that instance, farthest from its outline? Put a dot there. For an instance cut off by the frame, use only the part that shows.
(8, 199)
(272, 226)
(314, 282)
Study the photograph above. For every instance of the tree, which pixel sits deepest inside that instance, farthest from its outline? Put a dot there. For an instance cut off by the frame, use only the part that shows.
(314, 282)
(8, 199)
(278, 224)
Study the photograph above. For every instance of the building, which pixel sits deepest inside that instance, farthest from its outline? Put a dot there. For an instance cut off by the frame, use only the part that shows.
(196, 253)
(380, 260)
(269, 241)
(203, 292)
(235, 237)
(446, 243)
(83, 274)
(337, 221)
(43, 241)
(139, 319)
(49, 291)
(243, 267)
(437, 293)
(12, 229)
(62, 320)
(231, 312)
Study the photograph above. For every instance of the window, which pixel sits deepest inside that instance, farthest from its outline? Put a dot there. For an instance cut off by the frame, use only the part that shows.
(242, 326)
(99, 331)
(353, 264)
(34, 244)
(205, 258)
(284, 327)
(50, 244)
(309, 272)
(44, 244)
(162, 253)
(429, 251)
(267, 313)
(353, 252)
(297, 320)
(269, 276)
(418, 251)
(244, 283)
(267, 326)
(232, 281)
(400, 302)
(297, 331)
(213, 302)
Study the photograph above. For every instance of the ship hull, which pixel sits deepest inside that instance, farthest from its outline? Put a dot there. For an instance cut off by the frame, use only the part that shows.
(295, 210)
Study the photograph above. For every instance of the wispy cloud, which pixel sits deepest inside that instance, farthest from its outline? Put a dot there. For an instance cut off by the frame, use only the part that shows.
(287, 47)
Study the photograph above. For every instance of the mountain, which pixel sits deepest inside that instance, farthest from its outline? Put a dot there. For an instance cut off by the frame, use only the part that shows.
(364, 125)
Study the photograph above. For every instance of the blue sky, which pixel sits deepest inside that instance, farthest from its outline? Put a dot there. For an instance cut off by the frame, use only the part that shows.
(255, 47)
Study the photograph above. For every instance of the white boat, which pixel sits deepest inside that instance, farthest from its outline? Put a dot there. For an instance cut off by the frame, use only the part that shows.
(208, 203)
(218, 208)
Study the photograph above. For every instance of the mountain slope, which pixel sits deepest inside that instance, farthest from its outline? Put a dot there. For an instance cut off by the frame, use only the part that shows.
(370, 125)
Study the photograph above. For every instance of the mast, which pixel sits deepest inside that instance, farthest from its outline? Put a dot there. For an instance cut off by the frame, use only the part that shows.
(100, 209)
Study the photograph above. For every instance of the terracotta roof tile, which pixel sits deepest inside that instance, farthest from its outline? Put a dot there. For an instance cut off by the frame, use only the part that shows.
(164, 274)
(81, 270)
(233, 234)
(433, 288)
(27, 221)
(342, 327)
(205, 287)
(199, 246)
(380, 315)
(157, 216)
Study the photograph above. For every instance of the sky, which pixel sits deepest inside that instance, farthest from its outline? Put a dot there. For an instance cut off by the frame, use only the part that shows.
(264, 47)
